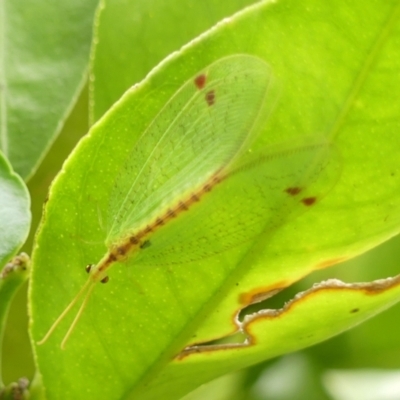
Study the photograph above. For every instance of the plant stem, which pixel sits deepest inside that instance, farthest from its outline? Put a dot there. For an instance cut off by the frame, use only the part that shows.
(13, 275)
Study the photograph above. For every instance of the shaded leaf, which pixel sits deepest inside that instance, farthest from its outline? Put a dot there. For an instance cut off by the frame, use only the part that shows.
(15, 215)
(45, 51)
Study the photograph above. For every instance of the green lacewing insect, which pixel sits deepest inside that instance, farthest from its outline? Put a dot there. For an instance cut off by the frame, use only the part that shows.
(192, 187)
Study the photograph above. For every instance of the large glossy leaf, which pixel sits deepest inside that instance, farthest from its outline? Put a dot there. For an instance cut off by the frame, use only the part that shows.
(44, 56)
(139, 332)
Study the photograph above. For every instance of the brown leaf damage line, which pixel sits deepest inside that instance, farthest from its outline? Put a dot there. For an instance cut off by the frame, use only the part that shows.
(262, 293)
(369, 289)
(330, 262)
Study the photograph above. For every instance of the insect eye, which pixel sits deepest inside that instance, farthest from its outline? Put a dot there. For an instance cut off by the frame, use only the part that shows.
(88, 268)
(105, 279)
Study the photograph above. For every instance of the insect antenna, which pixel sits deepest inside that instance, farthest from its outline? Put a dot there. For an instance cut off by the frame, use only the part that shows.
(78, 315)
(89, 284)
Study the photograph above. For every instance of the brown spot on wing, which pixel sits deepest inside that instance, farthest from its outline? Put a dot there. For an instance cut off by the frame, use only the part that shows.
(200, 81)
(210, 97)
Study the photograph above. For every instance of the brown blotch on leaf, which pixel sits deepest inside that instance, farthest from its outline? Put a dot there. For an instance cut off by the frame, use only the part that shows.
(309, 201)
(293, 190)
(105, 279)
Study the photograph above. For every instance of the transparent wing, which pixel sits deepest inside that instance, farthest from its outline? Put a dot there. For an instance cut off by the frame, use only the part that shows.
(254, 198)
(201, 129)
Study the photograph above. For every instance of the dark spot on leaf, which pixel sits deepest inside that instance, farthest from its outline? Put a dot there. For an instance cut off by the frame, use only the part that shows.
(354, 310)
(309, 201)
(293, 191)
(105, 279)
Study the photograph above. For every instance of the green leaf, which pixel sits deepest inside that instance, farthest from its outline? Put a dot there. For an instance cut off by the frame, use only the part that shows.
(15, 215)
(375, 343)
(44, 54)
(132, 37)
(325, 310)
(139, 333)
(15, 219)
